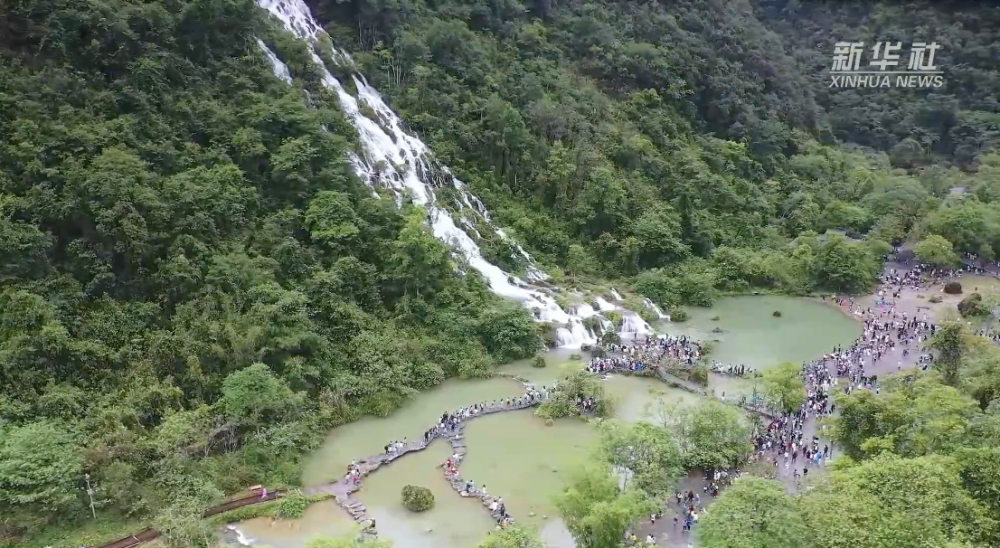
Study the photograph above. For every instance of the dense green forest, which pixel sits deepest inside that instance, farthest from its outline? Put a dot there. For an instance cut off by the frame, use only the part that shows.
(690, 142)
(194, 286)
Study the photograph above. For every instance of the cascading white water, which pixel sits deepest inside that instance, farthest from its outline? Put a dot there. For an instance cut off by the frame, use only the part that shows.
(399, 161)
(656, 310)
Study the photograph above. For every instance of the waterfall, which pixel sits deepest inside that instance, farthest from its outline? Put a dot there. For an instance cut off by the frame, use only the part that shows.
(656, 310)
(400, 162)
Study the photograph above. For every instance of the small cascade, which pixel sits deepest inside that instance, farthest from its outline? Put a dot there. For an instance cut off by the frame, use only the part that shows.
(240, 537)
(604, 305)
(633, 324)
(397, 161)
(656, 310)
(617, 295)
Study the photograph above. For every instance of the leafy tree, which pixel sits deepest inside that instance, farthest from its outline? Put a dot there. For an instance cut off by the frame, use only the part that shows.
(785, 387)
(711, 434)
(752, 513)
(950, 343)
(935, 250)
(891, 501)
(648, 452)
(914, 416)
(40, 470)
(596, 511)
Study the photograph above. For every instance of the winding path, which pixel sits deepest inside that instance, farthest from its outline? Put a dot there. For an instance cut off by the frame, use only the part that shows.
(344, 489)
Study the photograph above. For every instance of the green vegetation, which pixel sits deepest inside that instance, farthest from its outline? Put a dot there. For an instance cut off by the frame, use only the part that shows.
(562, 402)
(417, 499)
(920, 465)
(538, 362)
(596, 511)
(711, 435)
(195, 285)
(936, 250)
(784, 386)
(513, 536)
(755, 513)
(647, 450)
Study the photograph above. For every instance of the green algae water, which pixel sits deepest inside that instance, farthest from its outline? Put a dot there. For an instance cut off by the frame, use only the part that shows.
(515, 454)
(753, 336)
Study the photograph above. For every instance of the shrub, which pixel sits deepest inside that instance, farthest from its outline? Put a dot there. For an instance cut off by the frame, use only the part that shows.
(538, 362)
(293, 505)
(678, 315)
(935, 299)
(417, 499)
(699, 374)
(547, 331)
(610, 337)
(615, 318)
(953, 288)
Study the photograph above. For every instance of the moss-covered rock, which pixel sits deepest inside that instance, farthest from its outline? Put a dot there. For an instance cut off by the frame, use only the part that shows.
(973, 305)
(538, 362)
(953, 288)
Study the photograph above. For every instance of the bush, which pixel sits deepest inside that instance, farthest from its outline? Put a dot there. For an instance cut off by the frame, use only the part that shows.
(293, 505)
(581, 384)
(538, 362)
(610, 337)
(953, 288)
(575, 357)
(699, 374)
(776, 313)
(678, 315)
(615, 318)
(547, 331)
(935, 299)
(417, 499)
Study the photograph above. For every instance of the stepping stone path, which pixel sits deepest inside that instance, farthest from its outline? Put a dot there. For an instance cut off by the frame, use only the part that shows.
(343, 489)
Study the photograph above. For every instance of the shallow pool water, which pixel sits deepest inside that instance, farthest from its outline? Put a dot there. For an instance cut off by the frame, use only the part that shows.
(515, 454)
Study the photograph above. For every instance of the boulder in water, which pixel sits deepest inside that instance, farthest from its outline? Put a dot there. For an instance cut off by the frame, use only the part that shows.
(953, 288)
(538, 362)
(715, 318)
(776, 313)
(716, 330)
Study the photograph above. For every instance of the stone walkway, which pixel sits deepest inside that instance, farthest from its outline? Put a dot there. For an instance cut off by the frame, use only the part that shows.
(343, 489)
